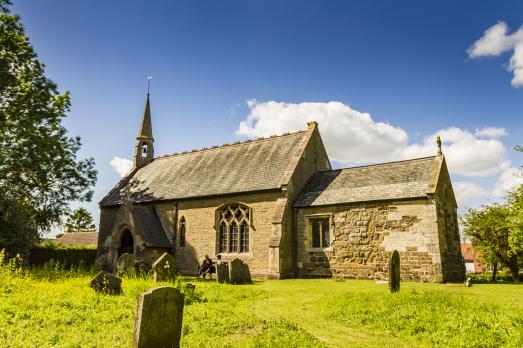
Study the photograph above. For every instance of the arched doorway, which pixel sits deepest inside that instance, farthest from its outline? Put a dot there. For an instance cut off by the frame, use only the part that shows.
(126, 244)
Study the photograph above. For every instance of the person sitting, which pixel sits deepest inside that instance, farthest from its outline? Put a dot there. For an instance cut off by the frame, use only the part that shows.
(207, 267)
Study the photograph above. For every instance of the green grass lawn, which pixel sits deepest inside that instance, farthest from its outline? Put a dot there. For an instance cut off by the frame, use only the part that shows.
(36, 311)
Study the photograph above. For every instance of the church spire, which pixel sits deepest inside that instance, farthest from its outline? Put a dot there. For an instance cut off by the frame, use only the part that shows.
(144, 148)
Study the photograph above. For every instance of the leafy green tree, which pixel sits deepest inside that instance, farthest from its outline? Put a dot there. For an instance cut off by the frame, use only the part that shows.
(497, 231)
(39, 169)
(80, 220)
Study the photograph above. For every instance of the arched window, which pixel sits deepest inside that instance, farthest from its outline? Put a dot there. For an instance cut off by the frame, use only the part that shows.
(182, 232)
(144, 149)
(234, 229)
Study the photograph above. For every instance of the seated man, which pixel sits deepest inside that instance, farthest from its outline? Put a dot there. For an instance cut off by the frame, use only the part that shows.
(207, 267)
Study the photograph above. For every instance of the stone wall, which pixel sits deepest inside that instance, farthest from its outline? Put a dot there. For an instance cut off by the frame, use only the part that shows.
(364, 235)
(450, 245)
(201, 235)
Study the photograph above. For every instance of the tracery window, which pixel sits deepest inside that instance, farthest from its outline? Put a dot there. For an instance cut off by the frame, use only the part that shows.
(182, 232)
(233, 229)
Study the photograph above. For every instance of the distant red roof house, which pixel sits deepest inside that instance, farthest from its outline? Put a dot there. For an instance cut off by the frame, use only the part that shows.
(78, 238)
(472, 262)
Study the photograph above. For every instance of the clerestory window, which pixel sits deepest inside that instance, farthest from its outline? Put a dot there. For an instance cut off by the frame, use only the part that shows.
(233, 232)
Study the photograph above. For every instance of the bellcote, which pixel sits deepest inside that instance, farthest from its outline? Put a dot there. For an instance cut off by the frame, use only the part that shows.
(144, 148)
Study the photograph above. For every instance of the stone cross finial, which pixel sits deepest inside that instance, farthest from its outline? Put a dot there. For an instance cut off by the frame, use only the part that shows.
(438, 142)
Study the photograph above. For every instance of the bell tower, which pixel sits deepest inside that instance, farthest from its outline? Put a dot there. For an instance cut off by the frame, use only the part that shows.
(144, 149)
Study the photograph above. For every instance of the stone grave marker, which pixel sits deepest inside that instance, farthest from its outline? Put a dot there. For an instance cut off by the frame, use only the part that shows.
(107, 283)
(159, 315)
(164, 268)
(246, 274)
(394, 272)
(222, 273)
(125, 265)
(239, 272)
(468, 282)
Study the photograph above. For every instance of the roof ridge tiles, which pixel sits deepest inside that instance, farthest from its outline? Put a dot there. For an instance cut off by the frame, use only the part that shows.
(378, 164)
(236, 143)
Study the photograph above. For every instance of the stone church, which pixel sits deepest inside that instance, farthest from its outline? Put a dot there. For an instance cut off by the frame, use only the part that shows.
(277, 204)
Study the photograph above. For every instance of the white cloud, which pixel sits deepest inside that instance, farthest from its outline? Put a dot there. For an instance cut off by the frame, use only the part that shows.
(121, 165)
(508, 180)
(496, 41)
(467, 192)
(351, 136)
(490, 132)
(465, 152)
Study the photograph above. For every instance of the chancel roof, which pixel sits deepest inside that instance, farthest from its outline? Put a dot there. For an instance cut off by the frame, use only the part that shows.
(255, 165)
(387, 181)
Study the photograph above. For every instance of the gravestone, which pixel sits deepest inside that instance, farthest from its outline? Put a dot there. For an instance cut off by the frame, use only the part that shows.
(394, 272)
(246, 274)
(164, 268)
(107, 283)
(125, 265)
(239, 272)
(222, 273)
(159, 315)
(468, 282)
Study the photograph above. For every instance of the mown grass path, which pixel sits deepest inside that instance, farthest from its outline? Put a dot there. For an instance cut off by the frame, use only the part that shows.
(60, 310)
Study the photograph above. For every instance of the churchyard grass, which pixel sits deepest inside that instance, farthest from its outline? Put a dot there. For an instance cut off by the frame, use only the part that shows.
(50, 308)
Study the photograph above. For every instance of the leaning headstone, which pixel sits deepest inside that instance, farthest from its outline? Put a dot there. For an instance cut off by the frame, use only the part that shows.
(164, 268)
(125, 265)
(107, 283)
(222, 273)
(159, 317)
(468, 282)
(239, 272)
(394, 272)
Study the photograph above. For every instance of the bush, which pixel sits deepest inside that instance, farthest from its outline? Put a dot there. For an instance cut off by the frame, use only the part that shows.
(66, 256)
(487, 277)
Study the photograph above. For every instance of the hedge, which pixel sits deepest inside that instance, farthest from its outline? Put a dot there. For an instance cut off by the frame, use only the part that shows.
(65, 255)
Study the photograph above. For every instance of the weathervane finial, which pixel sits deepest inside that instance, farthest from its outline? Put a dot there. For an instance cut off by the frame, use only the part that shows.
(438, 142)
(149, 78)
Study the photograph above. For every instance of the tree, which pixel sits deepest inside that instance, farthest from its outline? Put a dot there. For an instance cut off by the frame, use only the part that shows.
(80, 220)
(39, 169)
(497, 231)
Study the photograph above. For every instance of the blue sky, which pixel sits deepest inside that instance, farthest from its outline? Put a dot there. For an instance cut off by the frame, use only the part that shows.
(216, 64)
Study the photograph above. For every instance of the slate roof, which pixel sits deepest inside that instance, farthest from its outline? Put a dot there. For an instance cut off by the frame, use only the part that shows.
(255, 165)
(147, 222)
(395, 180)
(78, 238)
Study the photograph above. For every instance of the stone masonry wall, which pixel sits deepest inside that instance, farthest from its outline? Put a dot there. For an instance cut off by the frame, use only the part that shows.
(450, 245)
(201, 236)
(363, 237)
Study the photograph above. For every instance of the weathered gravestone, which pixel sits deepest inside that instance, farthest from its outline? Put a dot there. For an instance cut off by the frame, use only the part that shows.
(159, 317)
(106, 282)
(239, 272)
(222, 273)
(394, 272)
(164, 268)
(125, 265)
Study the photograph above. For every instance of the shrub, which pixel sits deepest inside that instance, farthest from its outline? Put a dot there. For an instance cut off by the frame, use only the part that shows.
(487, 277)
(66, 256)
